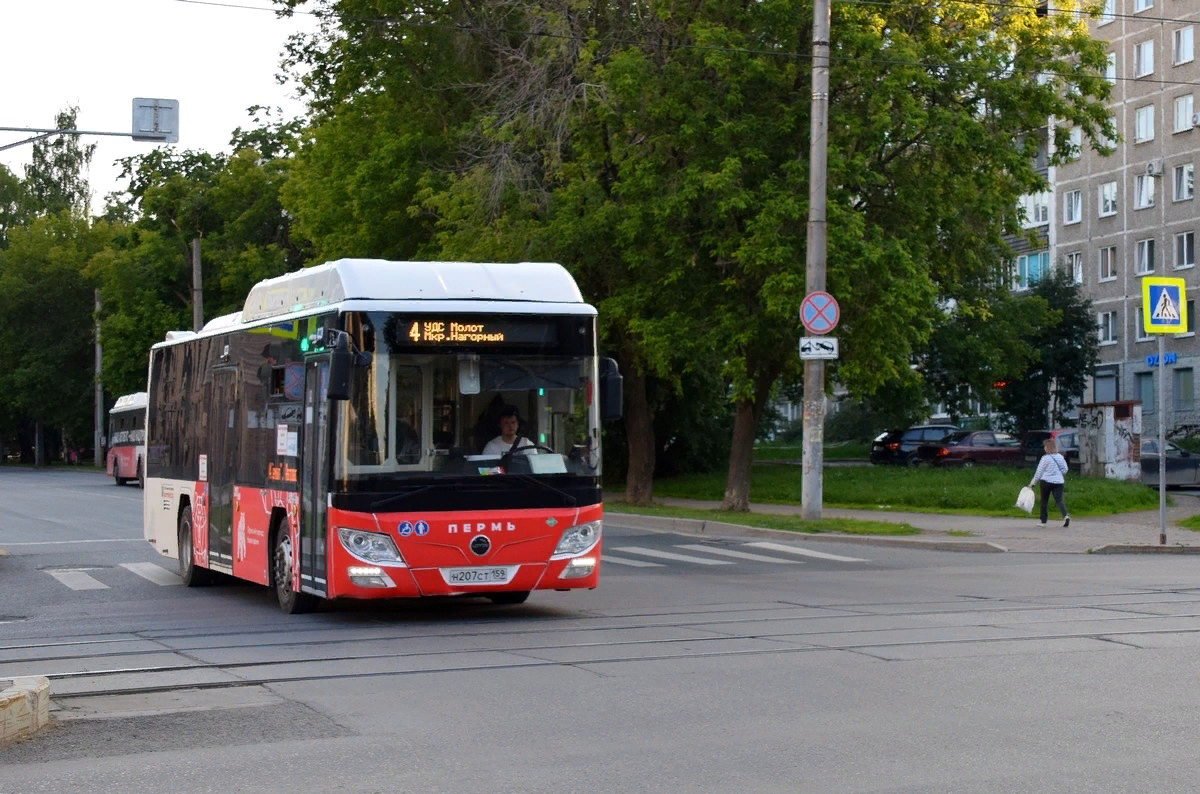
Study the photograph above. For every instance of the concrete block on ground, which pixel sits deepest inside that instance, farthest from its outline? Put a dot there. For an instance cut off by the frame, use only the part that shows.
(24, 706)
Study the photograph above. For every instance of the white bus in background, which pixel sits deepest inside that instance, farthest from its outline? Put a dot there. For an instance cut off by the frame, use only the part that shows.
(127, 439)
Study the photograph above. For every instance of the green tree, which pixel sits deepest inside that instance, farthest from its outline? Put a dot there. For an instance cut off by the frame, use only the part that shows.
(46, 324)
(14, 207)
(56, 177)
(1067, 352)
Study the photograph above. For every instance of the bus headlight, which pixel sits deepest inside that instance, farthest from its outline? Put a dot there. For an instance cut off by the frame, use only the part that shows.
(578, 568)
(577, 540)
(369, 546)
(369, 576)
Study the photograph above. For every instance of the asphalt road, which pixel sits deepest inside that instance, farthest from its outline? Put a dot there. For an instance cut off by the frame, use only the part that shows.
(698, 665)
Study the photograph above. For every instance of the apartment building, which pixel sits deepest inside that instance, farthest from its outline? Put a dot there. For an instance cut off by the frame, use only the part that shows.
(1118, 218)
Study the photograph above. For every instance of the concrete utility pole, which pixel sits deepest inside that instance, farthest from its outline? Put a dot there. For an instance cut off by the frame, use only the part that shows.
(98, 411)
(814, 369)
(197, 287)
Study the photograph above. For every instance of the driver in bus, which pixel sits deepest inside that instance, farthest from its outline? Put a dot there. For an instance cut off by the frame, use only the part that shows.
(508, 439)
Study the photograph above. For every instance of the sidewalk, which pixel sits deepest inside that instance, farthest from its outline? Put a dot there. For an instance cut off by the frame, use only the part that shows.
(1121, 534)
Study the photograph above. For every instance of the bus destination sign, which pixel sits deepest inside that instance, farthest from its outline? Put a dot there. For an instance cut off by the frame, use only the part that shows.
(442, 332)
(477, 331)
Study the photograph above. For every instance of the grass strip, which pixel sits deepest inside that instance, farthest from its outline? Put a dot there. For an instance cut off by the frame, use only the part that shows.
(845, 526)
(984, 491)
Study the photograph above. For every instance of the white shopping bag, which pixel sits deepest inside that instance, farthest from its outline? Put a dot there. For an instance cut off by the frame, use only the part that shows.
(1025, 499)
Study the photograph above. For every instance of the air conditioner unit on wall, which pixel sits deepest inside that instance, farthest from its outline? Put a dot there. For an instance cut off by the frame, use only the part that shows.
(1196, 119)
(1154, 168)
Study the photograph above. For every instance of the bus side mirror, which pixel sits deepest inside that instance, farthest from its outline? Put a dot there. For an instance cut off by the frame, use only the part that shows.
(611, 391)
(341, 361)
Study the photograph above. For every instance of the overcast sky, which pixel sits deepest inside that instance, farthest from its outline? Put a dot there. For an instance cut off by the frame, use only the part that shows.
(214, 59)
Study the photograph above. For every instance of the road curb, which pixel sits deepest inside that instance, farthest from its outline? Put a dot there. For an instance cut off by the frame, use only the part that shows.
(1143, 548)
(702, 527)
(24, 706)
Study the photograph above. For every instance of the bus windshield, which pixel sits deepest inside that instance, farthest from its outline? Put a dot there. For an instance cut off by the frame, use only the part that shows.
(474, 412)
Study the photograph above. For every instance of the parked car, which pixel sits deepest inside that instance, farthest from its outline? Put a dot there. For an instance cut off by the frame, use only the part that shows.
(899, 446)
(1183, 467)
(1066, 439)
(968, 448)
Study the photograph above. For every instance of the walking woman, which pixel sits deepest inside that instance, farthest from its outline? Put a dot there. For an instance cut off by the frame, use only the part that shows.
(1049, 476)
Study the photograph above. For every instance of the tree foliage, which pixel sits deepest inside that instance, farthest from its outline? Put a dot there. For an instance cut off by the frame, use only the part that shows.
(1067, 351)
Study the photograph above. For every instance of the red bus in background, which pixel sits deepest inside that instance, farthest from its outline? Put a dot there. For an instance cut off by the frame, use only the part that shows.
(337, 437)
(126, 456)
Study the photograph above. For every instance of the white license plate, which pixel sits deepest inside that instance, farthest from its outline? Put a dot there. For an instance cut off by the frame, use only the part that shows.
(494, 575)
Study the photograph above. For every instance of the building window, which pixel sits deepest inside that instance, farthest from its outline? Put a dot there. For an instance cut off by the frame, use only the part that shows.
(1108, 263)
(1185, 249)
(1184, 177)
(1139, 327)
(1106, 322)
(1145, 391)
(1144, 257)
(1036, 207)
(1185, 390)
(1072, 206)
(1075, 138)
(1183, 112)
(1110, 71)
(1108, 199)
(1143, 189)
(1142, 5)
(1143, 124)
(1190, 318)
(1183, 45)
(1074, 263)
(1109, 13)
(1030, 268)
(1143, 58)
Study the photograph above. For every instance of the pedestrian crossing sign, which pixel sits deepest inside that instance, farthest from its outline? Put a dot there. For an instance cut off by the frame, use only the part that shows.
(1164, 306)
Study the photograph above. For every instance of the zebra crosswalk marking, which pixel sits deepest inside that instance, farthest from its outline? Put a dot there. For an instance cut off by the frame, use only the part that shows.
(633, 563)
(154, 572)
(741, 555)
(78, 580)
(666, 555)
(766, 544)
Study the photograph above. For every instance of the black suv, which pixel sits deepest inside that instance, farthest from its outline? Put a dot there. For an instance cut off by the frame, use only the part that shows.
(900, 446)
(1066, 439)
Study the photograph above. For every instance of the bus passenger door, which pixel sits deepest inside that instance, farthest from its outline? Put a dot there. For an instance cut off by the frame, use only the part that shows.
(314, 477)
(223, 456)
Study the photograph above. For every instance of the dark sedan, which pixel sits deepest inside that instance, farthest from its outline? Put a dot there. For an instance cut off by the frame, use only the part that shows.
(1183, 467)
(968, 448)
(900, 446)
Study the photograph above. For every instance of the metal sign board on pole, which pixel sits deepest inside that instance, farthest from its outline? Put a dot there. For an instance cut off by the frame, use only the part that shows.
(155, 120)
(819, 347)
(1164, 311)
(819, 312)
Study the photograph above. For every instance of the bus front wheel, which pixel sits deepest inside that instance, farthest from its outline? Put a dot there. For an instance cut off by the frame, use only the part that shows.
(188, 572)
(290, 600)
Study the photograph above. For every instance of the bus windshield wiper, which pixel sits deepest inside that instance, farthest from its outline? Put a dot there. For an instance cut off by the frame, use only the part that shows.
(400, 497)
(529, 478)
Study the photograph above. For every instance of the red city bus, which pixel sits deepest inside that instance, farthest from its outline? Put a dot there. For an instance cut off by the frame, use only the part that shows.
(347, 435)
(127, 439)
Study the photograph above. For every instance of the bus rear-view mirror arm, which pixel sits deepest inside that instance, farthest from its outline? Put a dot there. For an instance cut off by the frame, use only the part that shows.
(611, 391)
(341, 362)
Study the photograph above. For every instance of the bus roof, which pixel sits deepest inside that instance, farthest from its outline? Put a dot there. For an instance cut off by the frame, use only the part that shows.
(383, 280)
(128, 402)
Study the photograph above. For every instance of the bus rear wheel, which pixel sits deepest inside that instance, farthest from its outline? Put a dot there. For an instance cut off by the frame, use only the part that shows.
(290, 601)
(188, 572)
(517, 597)
(117, 478)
